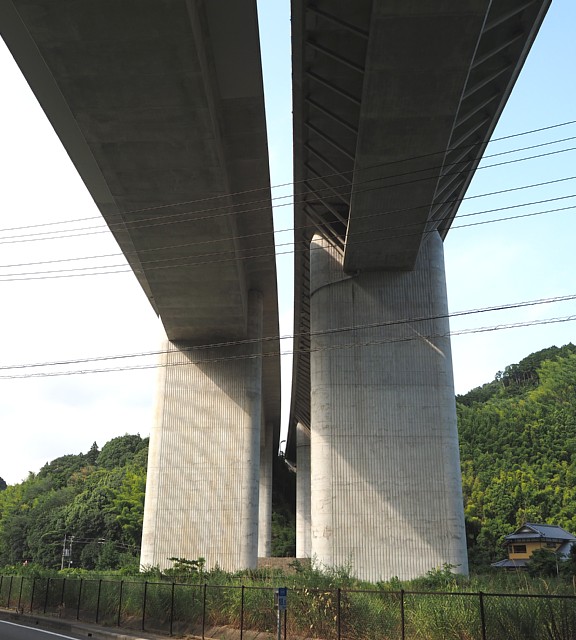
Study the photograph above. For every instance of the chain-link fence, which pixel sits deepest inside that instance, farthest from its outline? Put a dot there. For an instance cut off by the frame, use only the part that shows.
(331, 614)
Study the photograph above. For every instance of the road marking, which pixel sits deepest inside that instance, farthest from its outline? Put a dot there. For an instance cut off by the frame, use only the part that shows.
(50, 633)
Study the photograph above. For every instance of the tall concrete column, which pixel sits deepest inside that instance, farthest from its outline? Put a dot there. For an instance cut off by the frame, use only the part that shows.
(303, 540)
(204, 461)
(386, 494)
(265, 508)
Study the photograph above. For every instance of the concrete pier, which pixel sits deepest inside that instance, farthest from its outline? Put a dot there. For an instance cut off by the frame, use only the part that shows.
(203, 481)
(386, 495)
(265, 501)
(303, 524)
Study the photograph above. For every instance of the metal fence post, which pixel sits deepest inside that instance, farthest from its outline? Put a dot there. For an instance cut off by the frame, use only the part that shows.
(79, 599)
(32, 595)
(98, 600)
(402, 615)
(172, 607)
(204, 611)
(20, 594)
(46, 595)
(62, 593)
(482, 615)
(144, 604)
(9, 592)
(120, 602)
(339, 613)
(242, 612)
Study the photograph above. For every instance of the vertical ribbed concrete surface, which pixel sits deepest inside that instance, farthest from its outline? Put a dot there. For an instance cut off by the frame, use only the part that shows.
(303, 546)
(204, 461)
(265, 502)
(386, 493)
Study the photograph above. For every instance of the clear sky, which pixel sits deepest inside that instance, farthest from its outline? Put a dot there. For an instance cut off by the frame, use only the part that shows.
(66, 318)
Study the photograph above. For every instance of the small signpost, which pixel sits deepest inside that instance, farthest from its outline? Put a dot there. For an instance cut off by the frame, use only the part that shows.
(281, 603)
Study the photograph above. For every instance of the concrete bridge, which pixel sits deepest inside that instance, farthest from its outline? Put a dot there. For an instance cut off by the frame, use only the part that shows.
(394, 103)
(160, 106)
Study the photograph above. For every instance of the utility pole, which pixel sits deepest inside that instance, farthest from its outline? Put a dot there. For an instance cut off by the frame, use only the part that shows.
(67, 551)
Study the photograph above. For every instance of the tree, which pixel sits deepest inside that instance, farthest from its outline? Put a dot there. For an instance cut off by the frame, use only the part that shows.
(92, 455)
(62, 469)
(518, 450)
(72, 496)
(118, 451)
(543, 563)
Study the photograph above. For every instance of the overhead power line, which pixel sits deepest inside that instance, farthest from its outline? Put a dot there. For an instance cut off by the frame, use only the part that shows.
(257, 252)
(350, 345)
(286, 230)
(257, 341)
(346, 189)
(324, 176)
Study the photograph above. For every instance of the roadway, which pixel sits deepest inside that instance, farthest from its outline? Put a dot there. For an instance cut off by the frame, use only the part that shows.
(15, 631)
(28, 630)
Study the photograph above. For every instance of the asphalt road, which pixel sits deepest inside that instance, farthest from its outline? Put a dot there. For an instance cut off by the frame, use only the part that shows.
(12, 631)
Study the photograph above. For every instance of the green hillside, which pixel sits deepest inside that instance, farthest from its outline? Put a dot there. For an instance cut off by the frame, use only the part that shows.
(518, 450)
(96, 497)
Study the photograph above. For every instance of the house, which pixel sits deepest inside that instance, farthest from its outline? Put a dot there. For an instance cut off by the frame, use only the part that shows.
(526, 539)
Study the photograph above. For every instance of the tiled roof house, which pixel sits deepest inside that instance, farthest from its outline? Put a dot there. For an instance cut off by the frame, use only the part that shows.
(530, 536)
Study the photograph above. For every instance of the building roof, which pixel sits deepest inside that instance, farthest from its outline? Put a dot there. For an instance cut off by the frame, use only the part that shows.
(532, 531)
(509, 564)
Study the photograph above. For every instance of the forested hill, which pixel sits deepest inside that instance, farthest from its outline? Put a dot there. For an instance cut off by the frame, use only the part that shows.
(96, 497)
(518, 450)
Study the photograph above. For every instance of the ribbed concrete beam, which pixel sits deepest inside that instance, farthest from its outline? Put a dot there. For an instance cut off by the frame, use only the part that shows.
(202, 489)
(385, 479)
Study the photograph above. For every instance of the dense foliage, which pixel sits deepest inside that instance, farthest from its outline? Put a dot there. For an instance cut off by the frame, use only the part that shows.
(94, 500)
(283, 511)
(518, 450)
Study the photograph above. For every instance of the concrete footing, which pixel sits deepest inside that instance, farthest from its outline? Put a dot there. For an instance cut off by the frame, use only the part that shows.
(386, 496)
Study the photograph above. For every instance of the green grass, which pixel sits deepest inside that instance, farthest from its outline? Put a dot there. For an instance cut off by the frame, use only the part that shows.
(322, 604)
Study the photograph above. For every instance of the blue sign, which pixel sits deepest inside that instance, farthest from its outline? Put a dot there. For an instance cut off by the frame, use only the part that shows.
(282, 595)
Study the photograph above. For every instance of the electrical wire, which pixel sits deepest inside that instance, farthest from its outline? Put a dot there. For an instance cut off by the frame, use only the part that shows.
(351, 345)
(260, 341)
(300, 228)
(240, 209)
(325, 176)
(116, 269)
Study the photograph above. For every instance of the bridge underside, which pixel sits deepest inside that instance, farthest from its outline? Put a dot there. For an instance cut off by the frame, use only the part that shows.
(394, 103)
(160, 107)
